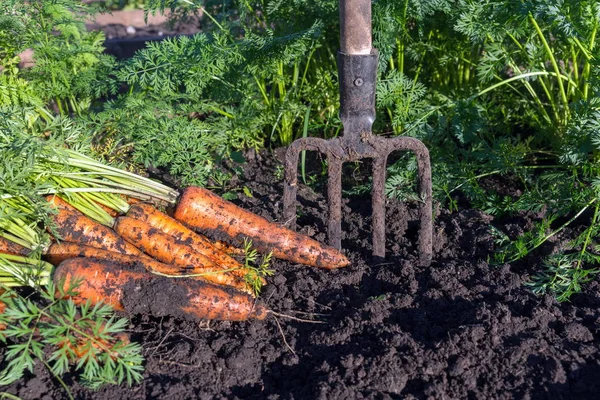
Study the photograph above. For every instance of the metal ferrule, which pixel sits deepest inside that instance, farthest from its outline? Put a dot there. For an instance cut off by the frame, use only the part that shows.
(358, 79)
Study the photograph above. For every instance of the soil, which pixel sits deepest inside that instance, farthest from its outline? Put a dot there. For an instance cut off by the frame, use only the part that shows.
(458, 328)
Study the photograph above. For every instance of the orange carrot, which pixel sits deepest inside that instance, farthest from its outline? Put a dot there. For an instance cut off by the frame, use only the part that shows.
(57, 202)
(205, 211)
(2, 309)
(167, 249)
(110, 211)
(146, 213)
(59, 252)
(130, 200)
(10, 247)
(72, 226)
(229, 249)
(135, 292)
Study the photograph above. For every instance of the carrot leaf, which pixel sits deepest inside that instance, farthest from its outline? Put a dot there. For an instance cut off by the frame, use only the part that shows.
(65, 338)
(257, 270)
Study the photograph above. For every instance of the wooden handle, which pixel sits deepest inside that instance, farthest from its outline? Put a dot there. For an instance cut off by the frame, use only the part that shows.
(355, 27)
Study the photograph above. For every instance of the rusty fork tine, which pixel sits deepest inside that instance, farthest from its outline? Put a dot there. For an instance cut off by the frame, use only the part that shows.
(378, 205)
(334, 197)
(425, 191)
(290, 185)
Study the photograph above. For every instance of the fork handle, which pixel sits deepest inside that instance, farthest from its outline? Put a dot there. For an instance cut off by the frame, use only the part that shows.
(355, 27)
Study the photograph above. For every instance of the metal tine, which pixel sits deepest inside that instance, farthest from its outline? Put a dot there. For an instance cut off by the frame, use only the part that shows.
(378, 205)
(334, 197)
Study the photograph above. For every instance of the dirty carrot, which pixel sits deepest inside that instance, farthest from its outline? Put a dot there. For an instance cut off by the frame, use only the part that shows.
(75, 227)
(59, 252)
(229, 249)
(10, 247)
(169, 250)
(146, 213)
(141, 292)
(203, 210)
(2, 308)
(57, 202)
(86, 206)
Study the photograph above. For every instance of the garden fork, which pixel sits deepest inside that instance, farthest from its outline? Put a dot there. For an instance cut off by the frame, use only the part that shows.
(357, 68)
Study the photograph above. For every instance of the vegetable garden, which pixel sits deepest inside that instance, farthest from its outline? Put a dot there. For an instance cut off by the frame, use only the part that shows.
(143, 249)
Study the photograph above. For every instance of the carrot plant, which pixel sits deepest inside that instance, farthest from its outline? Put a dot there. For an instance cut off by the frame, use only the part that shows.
(518, 99)
(65, 338)
(69, 68)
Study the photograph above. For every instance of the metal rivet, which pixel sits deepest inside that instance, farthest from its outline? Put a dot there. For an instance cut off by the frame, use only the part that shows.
(358, 82)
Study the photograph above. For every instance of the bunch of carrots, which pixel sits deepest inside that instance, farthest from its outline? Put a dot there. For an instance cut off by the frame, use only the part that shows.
(144, 245)
(103, 224)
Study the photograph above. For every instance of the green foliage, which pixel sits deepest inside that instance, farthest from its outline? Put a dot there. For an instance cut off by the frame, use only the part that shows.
(69, 68)
(404, 100)
(167, 136)
(66, 338)
(564, 274)
(500, 88)
(256, 271)
(257, 85)
(112, 5)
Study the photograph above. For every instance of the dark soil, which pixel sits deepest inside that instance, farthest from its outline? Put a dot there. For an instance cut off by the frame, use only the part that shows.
(458, 328)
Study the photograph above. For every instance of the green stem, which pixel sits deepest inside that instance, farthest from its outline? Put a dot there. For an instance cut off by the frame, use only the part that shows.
(557, 230)
(563, 94)
(17, 240)
(62, 383)
(263, 90)
(587, 67)
(575, 67)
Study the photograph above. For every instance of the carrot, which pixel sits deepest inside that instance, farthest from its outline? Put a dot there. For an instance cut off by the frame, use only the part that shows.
(112, 212)
(229, 249)
(203, 210)
(167, 249)
(146, 213)
(10, 247)
(57, 202)
(59, 252)
(75, 227)
(2, 309)
(137, 292)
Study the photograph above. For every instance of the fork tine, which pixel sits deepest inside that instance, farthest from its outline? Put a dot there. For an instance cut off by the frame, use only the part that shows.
(290, 184)
(426, 212)
(378, 205)
(334, 197)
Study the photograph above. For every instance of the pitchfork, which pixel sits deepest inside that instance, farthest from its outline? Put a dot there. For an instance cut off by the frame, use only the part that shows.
(357, 68)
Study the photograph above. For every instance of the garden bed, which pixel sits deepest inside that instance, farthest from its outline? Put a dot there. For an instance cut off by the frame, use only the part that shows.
(458, 328)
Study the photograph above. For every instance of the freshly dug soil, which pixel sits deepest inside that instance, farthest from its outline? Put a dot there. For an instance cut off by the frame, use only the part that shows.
(456, 329)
